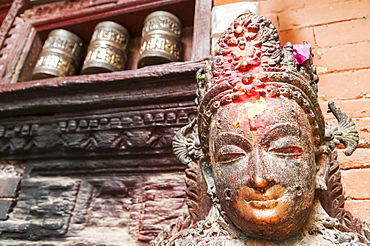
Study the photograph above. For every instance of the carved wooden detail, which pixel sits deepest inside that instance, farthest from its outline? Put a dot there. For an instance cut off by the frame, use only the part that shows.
(4, 8)
(99, 160)
(333, 203)
(24, 34)
(117, 132)
(10, 175)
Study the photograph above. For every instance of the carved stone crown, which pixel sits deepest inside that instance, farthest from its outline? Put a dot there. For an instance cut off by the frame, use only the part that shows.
(249, 61)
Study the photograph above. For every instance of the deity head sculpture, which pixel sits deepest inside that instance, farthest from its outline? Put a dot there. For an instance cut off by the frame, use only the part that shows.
(261, 143)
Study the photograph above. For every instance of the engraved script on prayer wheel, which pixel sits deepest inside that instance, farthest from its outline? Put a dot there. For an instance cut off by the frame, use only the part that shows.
(107, 49)
(160, 42)
(60, 56)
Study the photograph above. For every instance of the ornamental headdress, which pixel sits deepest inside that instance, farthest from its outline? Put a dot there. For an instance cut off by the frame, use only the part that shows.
(249, 61)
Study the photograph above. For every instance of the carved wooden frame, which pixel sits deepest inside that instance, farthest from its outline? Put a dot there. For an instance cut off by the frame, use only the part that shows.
(21, 39)
(25, 28)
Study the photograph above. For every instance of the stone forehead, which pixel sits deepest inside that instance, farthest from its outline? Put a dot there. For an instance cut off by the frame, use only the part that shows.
(265, 112)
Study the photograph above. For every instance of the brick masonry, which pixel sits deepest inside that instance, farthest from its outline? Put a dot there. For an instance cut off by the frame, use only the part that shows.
(338, 32)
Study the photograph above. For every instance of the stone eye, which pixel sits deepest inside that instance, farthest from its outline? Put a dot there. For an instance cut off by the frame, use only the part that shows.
(229, 154)
(286, 151)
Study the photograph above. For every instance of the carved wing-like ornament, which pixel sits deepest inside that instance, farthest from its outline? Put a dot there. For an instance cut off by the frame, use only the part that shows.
(186, 148)
(346, 132)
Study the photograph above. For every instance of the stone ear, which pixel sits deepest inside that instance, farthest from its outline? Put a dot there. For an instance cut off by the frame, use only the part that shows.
(206, 168)
(322, 168)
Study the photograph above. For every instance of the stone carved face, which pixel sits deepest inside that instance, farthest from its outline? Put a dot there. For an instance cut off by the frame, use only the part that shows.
(263, 165)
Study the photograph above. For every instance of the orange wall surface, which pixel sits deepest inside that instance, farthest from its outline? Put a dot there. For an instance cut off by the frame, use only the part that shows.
(339, 33)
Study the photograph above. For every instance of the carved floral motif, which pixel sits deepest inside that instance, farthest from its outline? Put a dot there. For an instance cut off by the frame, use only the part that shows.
(115, 132)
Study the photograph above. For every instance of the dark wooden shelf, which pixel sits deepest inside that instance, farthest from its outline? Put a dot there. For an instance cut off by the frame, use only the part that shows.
(154, 84)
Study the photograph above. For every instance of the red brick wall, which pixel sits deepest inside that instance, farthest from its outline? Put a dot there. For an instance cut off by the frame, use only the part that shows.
(339, 33)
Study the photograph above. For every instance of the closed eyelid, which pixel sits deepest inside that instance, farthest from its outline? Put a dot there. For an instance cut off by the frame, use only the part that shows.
(233, 139)
(229, 153)
(285, 142)
(280, 131)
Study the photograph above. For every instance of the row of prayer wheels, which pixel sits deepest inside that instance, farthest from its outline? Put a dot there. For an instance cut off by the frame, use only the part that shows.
(63, 51)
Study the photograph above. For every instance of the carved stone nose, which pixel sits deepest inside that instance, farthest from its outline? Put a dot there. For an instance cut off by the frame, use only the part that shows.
(260, 182)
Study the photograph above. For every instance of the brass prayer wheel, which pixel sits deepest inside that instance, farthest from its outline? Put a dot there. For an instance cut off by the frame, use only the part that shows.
(107, 49)
(160, 42)
(61, 55)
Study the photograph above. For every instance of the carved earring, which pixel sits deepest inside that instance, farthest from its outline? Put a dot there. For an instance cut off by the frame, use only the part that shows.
(212, 194)
(299, 191)
(227, 194)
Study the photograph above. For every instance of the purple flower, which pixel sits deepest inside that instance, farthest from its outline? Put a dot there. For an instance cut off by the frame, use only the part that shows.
(301, 52)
